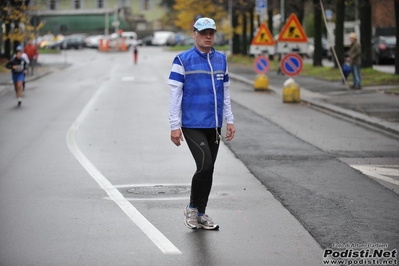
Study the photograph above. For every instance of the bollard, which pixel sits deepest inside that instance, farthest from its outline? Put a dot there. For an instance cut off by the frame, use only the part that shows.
(261, 82)
(291, 92)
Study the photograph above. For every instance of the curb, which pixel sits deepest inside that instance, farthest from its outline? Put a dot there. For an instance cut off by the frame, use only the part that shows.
(373, 121)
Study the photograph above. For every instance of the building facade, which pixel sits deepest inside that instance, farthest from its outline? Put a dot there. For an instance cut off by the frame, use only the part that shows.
(99, 16)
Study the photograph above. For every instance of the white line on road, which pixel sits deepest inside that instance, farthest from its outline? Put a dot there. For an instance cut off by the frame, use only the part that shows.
(380, 172)
(149, 229)
(128, 78)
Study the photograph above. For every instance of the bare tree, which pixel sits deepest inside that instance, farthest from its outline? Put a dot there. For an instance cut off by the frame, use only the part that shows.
(365, 32)
(397, 37)
(317, 56)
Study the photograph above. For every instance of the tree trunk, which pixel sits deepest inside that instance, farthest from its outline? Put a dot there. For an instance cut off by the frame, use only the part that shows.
(7, 42)
(339, 32)
(236, 37)
(397, 37)
(365, 33)
(317, 56)
(270, 25)
(251, 26)
(244, 34)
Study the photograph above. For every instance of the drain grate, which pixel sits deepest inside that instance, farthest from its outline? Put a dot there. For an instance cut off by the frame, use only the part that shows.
(159, 190)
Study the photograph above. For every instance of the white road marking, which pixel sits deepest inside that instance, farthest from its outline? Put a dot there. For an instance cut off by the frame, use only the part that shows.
(149, 229)
(381, 172)
(128, 78)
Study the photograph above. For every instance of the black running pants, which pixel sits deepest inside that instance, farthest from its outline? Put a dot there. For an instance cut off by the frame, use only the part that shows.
(204, 146)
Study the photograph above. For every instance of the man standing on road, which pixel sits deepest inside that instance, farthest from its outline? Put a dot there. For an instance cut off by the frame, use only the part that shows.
(199, 98)
(355, 56)
(31, 51)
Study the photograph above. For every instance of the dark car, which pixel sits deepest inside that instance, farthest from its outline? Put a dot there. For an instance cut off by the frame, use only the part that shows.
(147, 41)
(69, 42)
(384, 49)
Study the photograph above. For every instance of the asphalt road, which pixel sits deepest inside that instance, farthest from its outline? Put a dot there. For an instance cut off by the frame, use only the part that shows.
(88, 175)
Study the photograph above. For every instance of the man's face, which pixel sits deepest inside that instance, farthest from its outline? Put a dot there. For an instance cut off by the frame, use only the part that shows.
(204, 39)
(18, 54)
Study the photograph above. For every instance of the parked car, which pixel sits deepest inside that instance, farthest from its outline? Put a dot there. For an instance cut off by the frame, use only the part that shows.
(383, 49)
(68, 42)
(324, 48)
(147, 40)
(93, 41)
(130, 37)
(163, 38)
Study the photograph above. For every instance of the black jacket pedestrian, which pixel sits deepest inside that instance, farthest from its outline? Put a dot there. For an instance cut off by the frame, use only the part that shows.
(22, 65)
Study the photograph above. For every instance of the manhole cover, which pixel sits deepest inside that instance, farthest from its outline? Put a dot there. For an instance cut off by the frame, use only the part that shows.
(159, 190)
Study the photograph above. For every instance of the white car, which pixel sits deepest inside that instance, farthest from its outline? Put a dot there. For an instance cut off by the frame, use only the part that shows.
(131, 38)
(163, 38)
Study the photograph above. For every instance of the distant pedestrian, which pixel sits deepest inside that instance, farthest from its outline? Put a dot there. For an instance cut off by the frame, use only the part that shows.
(199, 98)
(135, 52)
(355, 56)
(31, 51)
(18, 68)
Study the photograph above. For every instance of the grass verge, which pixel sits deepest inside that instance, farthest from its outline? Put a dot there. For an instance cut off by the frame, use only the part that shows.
(370, 77)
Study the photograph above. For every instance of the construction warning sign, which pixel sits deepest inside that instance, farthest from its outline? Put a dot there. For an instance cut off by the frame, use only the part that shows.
(263, 37)
(292, 31)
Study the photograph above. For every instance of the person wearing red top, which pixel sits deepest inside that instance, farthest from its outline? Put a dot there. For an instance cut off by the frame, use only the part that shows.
(31, 51)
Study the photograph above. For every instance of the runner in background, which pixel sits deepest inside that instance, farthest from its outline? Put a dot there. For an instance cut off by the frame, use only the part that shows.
(18, 68)
(31, 51)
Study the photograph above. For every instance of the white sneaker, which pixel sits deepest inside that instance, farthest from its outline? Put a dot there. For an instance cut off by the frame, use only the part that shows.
(206, 223)
(191, 218)
(19, 101)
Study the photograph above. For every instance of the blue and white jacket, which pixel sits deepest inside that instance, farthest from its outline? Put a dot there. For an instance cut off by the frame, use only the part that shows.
(200, 94)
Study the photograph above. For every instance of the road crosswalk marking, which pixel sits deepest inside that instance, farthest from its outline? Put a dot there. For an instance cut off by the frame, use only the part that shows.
(382, 172)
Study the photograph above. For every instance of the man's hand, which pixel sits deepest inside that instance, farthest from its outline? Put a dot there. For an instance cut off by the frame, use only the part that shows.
(176, 136)
(230, 131)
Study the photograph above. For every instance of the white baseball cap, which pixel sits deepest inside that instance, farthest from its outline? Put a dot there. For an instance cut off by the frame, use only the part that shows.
(205, 23)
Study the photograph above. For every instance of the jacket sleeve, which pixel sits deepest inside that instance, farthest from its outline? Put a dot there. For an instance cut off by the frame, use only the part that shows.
(228, 114)
(10, 64)
(176, 83)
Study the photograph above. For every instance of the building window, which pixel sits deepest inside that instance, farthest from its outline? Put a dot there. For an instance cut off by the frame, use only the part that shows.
(52, 4)
(146, 5)
(77, 4)
(100, 3)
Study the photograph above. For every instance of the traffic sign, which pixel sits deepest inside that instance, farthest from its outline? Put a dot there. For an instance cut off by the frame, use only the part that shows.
(261, 7)
(263, 42)
(292, 38)
(261, 64)
(292, 31)
(263, 37)
(291, 65)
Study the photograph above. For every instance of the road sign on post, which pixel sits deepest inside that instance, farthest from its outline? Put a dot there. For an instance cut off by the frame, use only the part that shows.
(261, 64)
(292, 38)
(263, 42)
(291, 65)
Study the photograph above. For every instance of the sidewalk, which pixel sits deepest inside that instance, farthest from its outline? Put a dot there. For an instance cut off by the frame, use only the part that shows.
(369, 105)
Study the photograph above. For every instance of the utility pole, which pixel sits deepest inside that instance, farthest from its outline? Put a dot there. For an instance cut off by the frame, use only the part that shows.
(106, 29)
